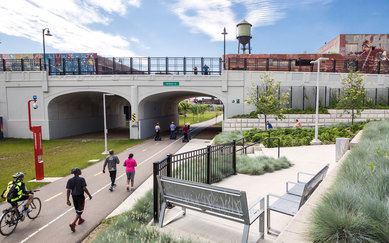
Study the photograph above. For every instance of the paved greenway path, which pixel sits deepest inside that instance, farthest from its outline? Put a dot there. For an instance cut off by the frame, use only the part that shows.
(52, 225)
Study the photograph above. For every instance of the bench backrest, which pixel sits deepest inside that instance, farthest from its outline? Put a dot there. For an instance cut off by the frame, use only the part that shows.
(223, 202)
(312, 184)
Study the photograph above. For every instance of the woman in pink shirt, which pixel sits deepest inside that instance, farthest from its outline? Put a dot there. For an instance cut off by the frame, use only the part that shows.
(130, 164)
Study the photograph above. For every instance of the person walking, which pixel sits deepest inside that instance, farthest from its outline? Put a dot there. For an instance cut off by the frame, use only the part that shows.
(195, 70)
(130, 165)
(111, 161)
(77, 186)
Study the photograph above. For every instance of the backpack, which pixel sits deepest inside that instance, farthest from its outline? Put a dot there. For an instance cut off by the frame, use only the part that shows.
(11, 191)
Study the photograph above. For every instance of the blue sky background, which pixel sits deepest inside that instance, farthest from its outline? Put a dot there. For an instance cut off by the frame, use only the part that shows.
(125, 28)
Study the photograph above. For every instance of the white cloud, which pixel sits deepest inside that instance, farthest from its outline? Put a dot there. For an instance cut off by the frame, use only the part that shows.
(211, 16)
(115, 6)
(68, 22)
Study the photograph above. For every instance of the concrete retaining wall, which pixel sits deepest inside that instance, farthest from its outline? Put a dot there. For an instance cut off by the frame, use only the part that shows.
(307, 120)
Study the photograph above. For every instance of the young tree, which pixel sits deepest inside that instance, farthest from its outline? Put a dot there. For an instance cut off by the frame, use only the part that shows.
(265, 98)
(184, 107)
(202, 109)
(353, 95)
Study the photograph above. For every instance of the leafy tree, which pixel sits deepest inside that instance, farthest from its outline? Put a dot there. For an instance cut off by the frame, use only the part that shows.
(265, 98)
(202, 109)
(184, 107)
(353, 95)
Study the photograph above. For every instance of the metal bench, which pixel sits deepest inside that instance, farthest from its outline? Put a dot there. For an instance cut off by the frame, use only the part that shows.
(295, 197)
(217, 201)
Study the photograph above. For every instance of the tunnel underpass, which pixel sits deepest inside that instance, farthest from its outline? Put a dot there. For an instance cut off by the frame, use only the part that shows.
(162, 108)
(82, 113)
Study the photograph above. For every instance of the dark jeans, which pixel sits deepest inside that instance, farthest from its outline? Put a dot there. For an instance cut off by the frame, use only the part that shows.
(112, 174)
(171, 134)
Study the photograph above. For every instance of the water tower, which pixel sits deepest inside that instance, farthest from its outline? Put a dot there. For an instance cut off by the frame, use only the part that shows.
(244, 35)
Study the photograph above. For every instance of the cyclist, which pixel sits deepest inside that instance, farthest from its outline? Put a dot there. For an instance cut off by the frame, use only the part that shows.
(172, 130)
(22, 193)
(157, 131)
(186, 129)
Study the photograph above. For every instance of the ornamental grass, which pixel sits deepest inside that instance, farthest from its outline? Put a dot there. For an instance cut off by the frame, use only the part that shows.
(356, 208)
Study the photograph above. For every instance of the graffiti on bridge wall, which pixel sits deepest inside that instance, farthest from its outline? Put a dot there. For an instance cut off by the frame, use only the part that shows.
(57, 63)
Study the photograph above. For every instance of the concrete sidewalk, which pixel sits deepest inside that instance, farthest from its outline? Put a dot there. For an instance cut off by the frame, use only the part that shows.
(205, 228)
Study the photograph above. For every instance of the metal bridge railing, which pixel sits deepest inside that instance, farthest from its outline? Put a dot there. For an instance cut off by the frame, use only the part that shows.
(114, 65)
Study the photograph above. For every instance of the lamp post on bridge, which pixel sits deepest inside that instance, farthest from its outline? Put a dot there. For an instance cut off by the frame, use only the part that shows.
(46, 32)
(316, 141)
(224, 56)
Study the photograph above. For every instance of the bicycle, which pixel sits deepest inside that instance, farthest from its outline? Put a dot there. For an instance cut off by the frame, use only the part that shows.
(11, 216)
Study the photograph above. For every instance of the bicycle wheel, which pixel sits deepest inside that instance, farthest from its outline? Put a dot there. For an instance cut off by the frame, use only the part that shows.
(35, 208)
(8, 222)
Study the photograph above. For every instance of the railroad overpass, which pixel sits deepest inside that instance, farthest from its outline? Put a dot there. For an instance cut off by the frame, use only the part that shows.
(73, 104)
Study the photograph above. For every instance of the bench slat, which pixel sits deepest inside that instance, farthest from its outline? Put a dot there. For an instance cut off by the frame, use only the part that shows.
(295, 197)
(297, 189)
(287, 204)
(217, 201)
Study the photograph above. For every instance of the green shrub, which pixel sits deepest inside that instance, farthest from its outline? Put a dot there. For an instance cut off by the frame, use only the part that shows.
(260, 165)
(228, 137)
(294, 136)
(356, 208)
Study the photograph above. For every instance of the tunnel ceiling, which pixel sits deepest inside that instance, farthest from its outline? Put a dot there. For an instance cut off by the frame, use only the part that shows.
(82, 97)
(176, 96)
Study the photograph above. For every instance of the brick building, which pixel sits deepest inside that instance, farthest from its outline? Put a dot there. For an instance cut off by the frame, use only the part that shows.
(348, 44)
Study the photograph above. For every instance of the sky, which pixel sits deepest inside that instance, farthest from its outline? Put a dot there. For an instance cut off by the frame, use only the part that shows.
(177, 28)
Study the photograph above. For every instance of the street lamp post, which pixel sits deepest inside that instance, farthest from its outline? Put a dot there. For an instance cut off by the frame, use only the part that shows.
(224, 57)
(46, 32)
(105, 124)
(316, 141)
(197, 109)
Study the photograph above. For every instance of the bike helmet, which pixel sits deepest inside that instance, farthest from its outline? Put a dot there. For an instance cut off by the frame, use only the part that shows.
(76, 171)
(18, 175)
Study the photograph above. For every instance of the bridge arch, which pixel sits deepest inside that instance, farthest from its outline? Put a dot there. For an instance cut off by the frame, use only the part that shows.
(162, 107)
(80, 111)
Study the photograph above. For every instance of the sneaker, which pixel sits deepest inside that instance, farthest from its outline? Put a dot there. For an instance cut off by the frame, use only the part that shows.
(128, 188)
(72, 227)
(80, 221)
(26, 211)
(114, 185)
(111, 189)
(132, 188)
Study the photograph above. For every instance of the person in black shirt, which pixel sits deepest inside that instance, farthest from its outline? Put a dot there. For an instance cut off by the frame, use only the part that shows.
(77, 186)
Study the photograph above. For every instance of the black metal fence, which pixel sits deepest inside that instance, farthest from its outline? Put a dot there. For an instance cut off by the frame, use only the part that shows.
(114, 65)
(184, 65)
(301, 65)
(207, 165)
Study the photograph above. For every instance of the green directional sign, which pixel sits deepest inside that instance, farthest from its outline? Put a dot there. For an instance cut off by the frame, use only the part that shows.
(171, 83)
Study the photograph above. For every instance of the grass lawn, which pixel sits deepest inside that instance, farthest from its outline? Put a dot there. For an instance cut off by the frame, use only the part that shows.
(192, 118)
(59, 157)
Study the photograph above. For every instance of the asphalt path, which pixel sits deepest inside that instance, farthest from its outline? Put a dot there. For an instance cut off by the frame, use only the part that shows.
(52, 225)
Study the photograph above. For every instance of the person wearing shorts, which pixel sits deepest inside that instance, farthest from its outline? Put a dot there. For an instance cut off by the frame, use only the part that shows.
(77, 186)
(130, 165)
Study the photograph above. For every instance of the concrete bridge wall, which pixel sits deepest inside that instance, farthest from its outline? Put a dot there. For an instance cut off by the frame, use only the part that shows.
(72, 104)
